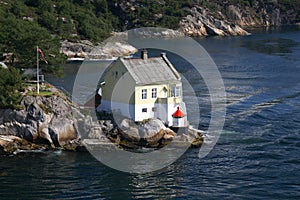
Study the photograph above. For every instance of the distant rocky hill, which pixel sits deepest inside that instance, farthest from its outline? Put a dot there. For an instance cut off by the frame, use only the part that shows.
(48, 22)
(214, 17)
(94, 20)
(240, 12)
(205, 18)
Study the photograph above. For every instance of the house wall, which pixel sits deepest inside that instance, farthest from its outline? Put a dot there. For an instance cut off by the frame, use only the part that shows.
(161, 107)
(119, 85)
(147, 104)
(118, 91)
(124, 109)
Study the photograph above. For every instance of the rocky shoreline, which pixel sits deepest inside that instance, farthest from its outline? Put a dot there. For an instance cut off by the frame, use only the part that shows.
(218, 19)
(200, 22)
(53, 122)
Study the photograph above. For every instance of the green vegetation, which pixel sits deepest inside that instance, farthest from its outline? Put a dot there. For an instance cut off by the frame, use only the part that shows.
(11, 85)
(28, 23)
(42, 93)
(143, 13)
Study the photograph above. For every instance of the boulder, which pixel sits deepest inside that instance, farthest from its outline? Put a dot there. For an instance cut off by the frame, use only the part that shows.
(150, 128)
(63, 130)
(151, 133)
(43, 120)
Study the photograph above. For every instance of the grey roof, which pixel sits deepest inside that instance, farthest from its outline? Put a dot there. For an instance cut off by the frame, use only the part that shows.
(153, 70)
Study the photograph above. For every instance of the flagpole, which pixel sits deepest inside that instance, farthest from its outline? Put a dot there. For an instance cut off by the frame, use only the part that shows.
(37, 70)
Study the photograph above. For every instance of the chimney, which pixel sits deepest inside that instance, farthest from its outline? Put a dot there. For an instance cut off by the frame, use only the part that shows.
(144, 54)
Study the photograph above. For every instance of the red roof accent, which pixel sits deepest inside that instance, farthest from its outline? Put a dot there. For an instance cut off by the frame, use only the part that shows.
(178, 113)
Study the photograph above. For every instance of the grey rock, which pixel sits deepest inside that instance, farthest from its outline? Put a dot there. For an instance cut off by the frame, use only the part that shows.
(29, 133)
(107, 50)
(150, 128)
(202, 23)
(44, 118)
(142, 130)
(34, 112)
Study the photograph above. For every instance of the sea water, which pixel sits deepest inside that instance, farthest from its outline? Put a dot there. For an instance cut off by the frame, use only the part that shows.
(256, 157)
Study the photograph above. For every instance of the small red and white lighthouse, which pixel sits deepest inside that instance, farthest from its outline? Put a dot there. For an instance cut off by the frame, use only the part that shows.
(179, 119)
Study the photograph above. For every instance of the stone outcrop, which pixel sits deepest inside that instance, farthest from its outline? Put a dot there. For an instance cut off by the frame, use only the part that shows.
(201, 22)
(79, 49)
(112, 50)
(13, 144)
(86, 50)
(148, 134)
(226, 16)
(45, 121)
(260, 15)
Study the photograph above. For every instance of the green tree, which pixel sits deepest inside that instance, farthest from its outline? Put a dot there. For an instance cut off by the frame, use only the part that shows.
(65, 7)
(22, 39)
(101, 7)
(48, 20)
(11, 83)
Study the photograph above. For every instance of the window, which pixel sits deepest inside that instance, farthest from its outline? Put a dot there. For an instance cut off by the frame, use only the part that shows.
(172, 92)
(154, 93)
(154, 109)
(115, 75)
(144, 94)
(164, 93)
(177, 91)
(144, 110)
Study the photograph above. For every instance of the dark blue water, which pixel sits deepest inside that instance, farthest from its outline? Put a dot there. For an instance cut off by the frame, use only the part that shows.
(256, 157)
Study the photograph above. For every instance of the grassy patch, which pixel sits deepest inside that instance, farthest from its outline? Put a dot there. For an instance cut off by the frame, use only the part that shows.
(42, 93)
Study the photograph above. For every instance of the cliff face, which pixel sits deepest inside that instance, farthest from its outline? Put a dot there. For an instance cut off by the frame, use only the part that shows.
(214, 17)
(231, 19)
(269, 14)
(201, 22)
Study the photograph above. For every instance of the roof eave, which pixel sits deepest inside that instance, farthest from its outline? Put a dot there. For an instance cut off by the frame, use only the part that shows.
(159, 83)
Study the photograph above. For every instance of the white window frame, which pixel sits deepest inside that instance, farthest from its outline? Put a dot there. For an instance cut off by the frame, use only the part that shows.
(154, 93)
(177, 91)
(144, 93)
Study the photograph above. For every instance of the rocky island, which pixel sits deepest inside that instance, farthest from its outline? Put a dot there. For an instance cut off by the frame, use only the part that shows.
(52, 121)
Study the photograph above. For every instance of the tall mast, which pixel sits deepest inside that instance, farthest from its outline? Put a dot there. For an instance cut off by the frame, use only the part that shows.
(37, 70)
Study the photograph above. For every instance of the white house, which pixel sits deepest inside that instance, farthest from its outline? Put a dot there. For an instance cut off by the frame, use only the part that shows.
(143, 88)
